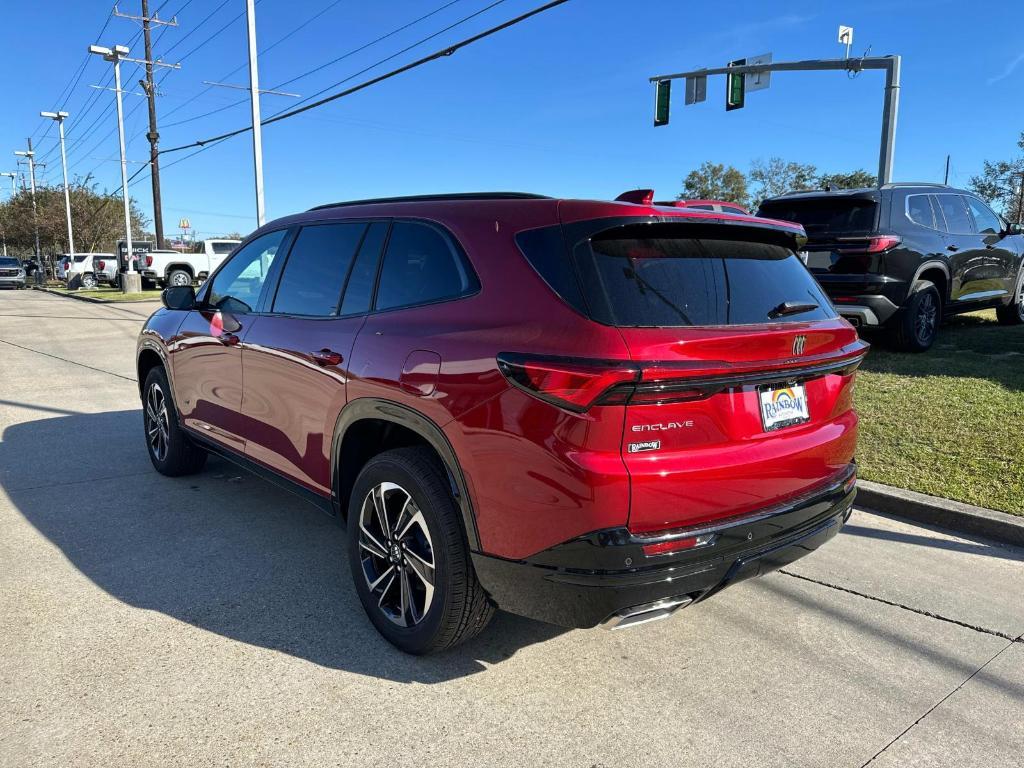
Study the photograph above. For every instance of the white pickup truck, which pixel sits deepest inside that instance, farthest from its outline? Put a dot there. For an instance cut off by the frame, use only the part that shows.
(176, 268)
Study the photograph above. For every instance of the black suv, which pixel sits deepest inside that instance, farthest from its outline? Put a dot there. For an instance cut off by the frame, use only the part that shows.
(901, 256)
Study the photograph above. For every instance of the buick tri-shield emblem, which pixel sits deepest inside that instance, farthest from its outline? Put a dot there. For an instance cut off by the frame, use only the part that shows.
(798, 345)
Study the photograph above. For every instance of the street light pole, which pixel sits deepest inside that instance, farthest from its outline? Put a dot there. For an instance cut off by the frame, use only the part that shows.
(254, 97)
(130, 280)
(59, 118)
(30, 155)
(14, 191)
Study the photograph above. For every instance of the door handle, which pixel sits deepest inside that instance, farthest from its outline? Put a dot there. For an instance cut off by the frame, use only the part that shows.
(952, 247)
(228, 339)
(326, 357)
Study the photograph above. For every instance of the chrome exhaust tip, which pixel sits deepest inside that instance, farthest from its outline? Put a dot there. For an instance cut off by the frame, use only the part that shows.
(648, 612)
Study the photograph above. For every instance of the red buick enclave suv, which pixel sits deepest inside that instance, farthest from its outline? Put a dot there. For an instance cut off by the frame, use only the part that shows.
(584, 412)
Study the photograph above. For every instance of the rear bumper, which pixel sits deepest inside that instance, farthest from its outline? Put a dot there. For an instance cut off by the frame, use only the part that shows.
(605, 577)
(864, 299)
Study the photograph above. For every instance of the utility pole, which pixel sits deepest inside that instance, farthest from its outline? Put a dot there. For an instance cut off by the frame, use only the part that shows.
(30, 155)
(153, 135)
(254, 97)
(59, 118)
(890, 106)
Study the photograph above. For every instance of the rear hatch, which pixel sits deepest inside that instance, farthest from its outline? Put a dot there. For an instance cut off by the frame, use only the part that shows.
(743, 397)
(843, 235)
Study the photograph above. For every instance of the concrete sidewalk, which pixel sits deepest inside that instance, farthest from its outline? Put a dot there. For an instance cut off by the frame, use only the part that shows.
(210, 620)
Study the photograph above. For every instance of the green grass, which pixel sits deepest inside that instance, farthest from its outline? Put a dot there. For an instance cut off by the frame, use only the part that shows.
(949, 422)
(110, 294)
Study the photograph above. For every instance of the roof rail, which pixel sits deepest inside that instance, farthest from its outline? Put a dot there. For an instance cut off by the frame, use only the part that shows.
(450, 196)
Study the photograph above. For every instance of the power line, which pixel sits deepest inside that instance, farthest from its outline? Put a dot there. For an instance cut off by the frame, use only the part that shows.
(266, 50)
(444, 52)
(353, 52)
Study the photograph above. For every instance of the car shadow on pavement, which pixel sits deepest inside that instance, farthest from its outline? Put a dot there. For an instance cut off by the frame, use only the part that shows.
(222, 550)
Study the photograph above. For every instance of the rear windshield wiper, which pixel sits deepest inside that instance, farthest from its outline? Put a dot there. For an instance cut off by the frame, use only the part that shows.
(791, 308)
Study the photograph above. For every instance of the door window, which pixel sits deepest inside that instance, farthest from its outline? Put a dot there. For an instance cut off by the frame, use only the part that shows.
(359, 289)
(986, 222)
(421, 266)
(316, 269)
(958, 222)
(237, 287)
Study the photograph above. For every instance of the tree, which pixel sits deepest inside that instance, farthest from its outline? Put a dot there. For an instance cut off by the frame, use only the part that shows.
(714, 181)
(1002, 184)
(97, 219)
(776, 177)
(851, 180)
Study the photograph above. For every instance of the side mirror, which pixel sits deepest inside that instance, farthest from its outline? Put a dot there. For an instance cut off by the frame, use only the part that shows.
(180, 297)
(1014, 229)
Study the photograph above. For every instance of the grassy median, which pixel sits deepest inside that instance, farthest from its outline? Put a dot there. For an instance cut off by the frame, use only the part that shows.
(949, 422)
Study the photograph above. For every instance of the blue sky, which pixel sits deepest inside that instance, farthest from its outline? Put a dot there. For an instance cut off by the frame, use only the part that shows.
(558, 105)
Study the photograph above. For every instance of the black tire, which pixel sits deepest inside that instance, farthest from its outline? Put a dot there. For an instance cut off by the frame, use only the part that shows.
(89, 281)
(917, 323)
(178, 277)
(457, 608)
(1013, 313)
(171, 451)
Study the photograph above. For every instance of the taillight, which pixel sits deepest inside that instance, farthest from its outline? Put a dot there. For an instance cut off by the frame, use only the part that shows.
(149, 261)
(103, 266)
(569, 383)
(869, 244)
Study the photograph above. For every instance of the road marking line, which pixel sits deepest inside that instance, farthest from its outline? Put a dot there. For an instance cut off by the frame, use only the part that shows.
(65, 360)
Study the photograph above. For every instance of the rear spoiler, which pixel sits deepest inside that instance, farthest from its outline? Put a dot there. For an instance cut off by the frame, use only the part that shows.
(697, 224)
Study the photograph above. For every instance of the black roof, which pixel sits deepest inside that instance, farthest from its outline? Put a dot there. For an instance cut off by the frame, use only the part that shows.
(450, 196)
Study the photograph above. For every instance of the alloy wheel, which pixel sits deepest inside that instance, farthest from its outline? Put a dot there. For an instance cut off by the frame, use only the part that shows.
(158, 430)
(88, 281)
(397, 554)
(927, 317)
(179, 279)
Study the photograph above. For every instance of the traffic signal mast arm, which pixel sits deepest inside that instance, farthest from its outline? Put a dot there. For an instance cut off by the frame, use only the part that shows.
(890, 106)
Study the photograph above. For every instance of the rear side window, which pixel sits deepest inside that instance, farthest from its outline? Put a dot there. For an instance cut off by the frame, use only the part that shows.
(825, 216)
(656, 275)
(958, 221)
(730, 209)
(986, 222)
(223, 248)
(421, 266)
(919, 211)
(316, 269)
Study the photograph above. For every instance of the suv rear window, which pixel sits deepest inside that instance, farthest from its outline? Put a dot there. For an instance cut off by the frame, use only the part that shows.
(657, 275)
(824, 216)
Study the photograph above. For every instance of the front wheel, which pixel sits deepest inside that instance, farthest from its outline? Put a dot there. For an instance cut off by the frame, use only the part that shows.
(409, 559)
(170, 449)
(917, 324)
(1013, 313)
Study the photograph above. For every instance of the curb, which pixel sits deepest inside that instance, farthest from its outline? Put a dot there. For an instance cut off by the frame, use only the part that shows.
(944, 513)
(89, 299)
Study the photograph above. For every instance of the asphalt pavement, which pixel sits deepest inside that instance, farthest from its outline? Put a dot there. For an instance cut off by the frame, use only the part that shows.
(210, 620)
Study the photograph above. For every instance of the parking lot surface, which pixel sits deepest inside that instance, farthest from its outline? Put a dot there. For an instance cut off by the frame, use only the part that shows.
(210, 620)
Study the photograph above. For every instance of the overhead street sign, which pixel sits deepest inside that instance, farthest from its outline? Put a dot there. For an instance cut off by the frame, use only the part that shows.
(696, 89)
(758, 81)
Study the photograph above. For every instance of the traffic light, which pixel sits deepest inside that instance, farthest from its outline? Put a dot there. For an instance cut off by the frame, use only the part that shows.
(735, 87)
(662, 95)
